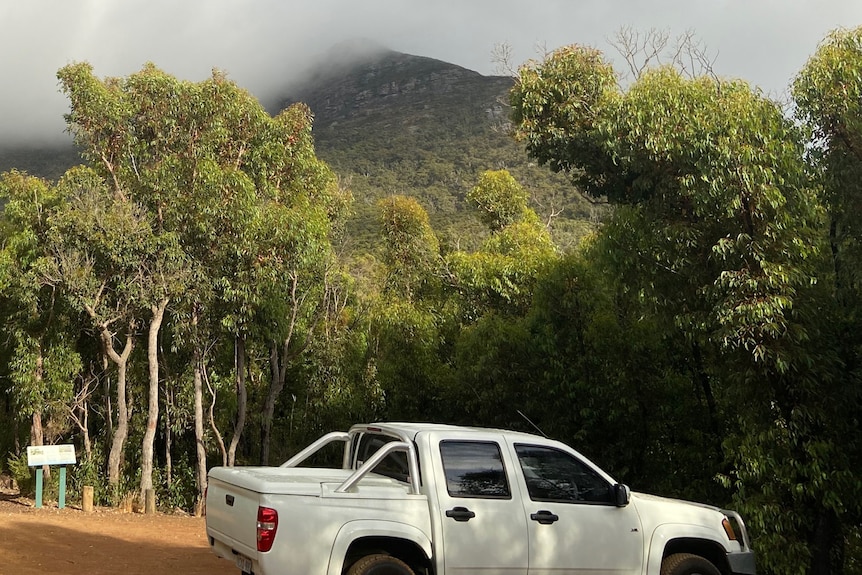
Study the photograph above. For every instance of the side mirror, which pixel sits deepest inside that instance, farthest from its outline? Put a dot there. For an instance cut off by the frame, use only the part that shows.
(622, 494)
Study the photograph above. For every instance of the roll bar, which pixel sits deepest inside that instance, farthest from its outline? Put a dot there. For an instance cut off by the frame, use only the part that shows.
(365, 468)
(379, 455)
(317, 446)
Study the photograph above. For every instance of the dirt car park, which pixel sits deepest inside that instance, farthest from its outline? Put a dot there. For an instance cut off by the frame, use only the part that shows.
(50, 540)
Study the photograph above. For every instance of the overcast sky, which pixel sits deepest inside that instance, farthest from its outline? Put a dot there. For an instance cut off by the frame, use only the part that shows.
(262, 43)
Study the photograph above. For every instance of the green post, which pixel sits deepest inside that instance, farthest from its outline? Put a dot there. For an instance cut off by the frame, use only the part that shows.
(38, 487)
(62, 503)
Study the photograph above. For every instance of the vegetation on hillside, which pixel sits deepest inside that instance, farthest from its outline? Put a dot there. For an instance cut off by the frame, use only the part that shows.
(392, 123)
(49, 161)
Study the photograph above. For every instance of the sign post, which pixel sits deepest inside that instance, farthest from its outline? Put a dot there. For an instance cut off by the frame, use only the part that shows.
(39, 455)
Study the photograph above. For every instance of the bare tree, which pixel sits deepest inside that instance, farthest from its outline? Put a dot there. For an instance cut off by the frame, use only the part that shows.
(501, 57)
(643, 50)
(79, 409)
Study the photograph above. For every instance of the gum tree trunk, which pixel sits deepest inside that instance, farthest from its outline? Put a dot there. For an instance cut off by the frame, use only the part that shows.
(153, 397)
(241, 400)
(121, 431)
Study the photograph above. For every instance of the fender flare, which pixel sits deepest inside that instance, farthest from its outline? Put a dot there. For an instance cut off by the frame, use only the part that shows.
(662, 534)
(354, 530)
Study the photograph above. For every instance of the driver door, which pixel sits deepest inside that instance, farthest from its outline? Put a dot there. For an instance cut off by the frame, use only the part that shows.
(574, 525)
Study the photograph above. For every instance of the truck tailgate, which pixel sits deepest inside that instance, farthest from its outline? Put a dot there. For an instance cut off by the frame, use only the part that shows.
(232, 515)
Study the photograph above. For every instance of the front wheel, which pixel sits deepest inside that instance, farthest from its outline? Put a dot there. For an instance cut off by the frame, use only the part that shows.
(687, 564)
(380, 565)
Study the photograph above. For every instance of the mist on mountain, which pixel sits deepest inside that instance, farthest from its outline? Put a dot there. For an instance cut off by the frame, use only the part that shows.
(394, 123)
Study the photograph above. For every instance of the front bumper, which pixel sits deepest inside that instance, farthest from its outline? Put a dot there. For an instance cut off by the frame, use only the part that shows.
(741, 563)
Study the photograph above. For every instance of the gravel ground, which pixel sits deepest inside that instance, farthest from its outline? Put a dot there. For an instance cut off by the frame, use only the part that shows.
(106, 541)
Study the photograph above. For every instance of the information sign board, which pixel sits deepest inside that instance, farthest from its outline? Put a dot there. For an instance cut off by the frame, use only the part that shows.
(38, 455)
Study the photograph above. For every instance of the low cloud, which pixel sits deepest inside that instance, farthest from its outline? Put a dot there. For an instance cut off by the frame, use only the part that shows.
(264, 44)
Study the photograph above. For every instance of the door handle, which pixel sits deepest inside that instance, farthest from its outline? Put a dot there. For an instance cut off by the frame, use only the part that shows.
(460, 514)
(544, 517)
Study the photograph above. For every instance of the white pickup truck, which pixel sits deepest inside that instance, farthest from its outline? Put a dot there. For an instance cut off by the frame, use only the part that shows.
(427, 499)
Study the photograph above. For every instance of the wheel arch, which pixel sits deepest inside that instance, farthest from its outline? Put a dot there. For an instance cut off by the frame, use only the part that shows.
(709, 550)
(359, 538)
(668, 540)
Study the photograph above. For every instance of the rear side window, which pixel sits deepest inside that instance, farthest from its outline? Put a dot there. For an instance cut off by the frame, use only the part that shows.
(393, 465)
(553, 475)
(474, 469)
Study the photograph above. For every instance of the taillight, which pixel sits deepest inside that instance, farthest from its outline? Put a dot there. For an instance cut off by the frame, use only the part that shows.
(267, 524)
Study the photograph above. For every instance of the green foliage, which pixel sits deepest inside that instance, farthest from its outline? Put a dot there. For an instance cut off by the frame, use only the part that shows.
(103, 240)
(182, 490)
(720, 236)
(25, 477)
(88, 472)
(22, 473)
(503, 273)
(236, 212)
(43, 360)
(409, 367)
(495, 373)
(35, 389)
(827, 94)
(713, 166)
(558, 108)
(336, 387)
(632, 397)
(212, 165)
(499, 199)
(411, 250)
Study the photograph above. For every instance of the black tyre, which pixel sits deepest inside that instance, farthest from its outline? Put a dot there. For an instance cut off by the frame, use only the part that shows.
(687, 564)
(380, 565)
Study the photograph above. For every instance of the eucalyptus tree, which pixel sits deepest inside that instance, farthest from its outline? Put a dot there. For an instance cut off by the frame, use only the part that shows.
(97, 242)
(501, 275)
(38, 324)
(498, 199)
(409, 317)
(411, 248)
(121, 273)
(718, 229)
(493, 287)
(828, 96)
(303, 207)
(441, 315)
(251, 204)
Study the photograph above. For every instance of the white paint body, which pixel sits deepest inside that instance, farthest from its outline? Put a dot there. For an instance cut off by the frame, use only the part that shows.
(318, 522)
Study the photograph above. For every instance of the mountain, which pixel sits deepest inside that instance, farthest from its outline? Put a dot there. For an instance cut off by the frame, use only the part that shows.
(393, 123)
(48, 161)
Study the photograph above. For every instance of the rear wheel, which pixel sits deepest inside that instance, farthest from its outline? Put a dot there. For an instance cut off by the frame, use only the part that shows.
(380, 565)
(687, 564)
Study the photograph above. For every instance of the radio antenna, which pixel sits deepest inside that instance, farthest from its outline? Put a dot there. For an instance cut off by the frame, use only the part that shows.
(536, 427)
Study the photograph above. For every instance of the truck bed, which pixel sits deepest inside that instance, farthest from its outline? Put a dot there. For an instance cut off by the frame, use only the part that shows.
(310, 511)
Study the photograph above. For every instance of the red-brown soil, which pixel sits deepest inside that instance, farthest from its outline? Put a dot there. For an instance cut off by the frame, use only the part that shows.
(68, 541)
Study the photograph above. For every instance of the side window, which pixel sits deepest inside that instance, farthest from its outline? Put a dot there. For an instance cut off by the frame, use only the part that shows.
(393, 465)
(554, 475)
(474, 469)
